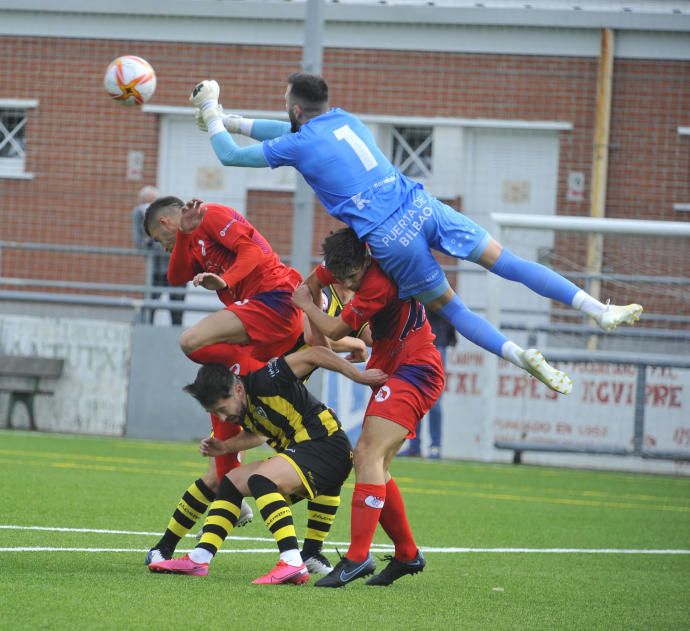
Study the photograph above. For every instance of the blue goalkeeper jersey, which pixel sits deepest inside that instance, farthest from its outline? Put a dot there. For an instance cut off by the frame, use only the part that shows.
(338, 157)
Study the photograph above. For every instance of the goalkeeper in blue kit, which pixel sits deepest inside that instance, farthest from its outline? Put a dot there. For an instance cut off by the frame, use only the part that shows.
(338, 157)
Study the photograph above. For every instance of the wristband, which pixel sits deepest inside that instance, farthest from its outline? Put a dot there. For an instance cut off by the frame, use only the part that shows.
(245, 126)
(215, 126)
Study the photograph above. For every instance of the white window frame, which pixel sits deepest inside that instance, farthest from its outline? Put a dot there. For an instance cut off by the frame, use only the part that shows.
(447, 138)
(413, 157)
(15, 168)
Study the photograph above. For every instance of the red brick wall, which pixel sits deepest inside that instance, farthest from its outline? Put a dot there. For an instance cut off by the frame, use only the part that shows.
(77, 139)
(265, 207)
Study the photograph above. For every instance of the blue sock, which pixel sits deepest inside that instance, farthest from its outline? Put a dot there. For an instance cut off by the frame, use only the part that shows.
(538, 278)
(475, 328)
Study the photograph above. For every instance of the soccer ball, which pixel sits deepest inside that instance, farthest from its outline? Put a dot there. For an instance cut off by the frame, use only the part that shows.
(130, 80)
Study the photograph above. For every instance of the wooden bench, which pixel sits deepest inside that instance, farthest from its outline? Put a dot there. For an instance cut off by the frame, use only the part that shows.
(518, 447)
(26, 377)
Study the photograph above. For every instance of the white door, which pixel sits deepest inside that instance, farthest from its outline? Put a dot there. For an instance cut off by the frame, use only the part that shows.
(511, 171)
(188, 167)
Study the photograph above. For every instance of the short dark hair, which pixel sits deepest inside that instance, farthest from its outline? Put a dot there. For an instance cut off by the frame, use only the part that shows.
(309, 91)
(156, 208)
(213, 382)
(343, 252)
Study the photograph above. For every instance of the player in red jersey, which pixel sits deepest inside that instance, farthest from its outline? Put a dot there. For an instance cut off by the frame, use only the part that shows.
(217, 248)
(403, 348)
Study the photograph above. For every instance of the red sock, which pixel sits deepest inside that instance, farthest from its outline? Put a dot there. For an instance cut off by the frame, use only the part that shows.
(222, 431)
(367, 502)
(394, 522)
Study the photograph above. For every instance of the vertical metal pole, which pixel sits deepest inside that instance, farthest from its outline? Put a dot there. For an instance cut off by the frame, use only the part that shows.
(312, 54)
(303, 216)
(640, 393)
(600, 163)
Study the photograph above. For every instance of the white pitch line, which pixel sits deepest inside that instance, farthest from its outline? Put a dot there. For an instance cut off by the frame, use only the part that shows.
(383, 547)
(427, 550)
(94, 530)
(376, 547)
(141, 550)
(558, 550)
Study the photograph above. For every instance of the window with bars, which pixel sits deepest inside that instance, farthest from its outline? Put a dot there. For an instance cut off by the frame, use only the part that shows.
(13, 121)
(411, 151)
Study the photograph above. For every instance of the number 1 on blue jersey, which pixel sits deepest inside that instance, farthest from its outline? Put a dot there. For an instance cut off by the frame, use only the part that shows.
(357, 144)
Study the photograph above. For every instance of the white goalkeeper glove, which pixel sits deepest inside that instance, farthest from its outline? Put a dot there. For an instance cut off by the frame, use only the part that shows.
(231, 122)
(205, 97)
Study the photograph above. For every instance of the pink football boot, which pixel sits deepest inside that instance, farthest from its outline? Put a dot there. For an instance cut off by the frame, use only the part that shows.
(284, 573)
(183, 565)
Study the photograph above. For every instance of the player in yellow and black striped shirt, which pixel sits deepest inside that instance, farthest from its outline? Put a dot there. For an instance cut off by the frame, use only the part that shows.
(320, 510)
(314, 455)
(334, 298)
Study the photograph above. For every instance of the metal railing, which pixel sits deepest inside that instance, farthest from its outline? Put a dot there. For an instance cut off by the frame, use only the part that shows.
(138, 298)
(641, 361)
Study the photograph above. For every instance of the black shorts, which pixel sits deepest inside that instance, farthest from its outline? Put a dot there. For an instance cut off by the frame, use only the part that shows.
(323, 465)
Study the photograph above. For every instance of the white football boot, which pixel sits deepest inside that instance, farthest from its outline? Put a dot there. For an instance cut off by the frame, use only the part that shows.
(535, 364)
(317, 564)
(246, 515)
(613, 315)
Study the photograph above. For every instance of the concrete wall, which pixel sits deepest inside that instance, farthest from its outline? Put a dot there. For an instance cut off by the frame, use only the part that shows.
(119, 379)
(156, 405)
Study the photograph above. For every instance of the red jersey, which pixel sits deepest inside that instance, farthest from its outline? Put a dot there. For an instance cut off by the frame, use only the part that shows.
(399, 328)
(226, 244)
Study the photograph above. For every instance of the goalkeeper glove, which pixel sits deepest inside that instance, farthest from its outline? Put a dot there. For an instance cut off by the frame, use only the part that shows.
(231, 122)
(205, 97)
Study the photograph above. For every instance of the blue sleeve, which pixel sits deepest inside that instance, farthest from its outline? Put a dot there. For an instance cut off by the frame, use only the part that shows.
(231, 155)
(281, 151)
(264, 129)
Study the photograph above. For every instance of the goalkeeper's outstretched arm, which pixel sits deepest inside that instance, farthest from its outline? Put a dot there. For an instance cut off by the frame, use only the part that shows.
(230, 154)
(205, 98)
(256, 128)
(265, 129)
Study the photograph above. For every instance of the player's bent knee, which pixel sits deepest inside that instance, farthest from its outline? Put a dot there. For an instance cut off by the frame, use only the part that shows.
(188, 343)
(367, 453)
(211, 481)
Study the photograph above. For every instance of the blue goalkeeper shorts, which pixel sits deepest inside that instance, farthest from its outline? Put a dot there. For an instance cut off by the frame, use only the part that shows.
(402, 244)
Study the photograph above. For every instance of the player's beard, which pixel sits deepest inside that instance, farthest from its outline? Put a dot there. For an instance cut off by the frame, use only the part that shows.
(243, 412)
(294, 124)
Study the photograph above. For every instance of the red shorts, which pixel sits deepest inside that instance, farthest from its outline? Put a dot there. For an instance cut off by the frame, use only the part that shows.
(222, 430)
(272, 322)
(406, 400)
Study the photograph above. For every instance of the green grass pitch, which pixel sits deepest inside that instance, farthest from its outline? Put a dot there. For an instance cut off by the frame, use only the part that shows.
(508, 547)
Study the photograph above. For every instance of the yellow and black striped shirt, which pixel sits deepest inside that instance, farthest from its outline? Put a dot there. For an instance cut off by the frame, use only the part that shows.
(332, 305)
(280, 407)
